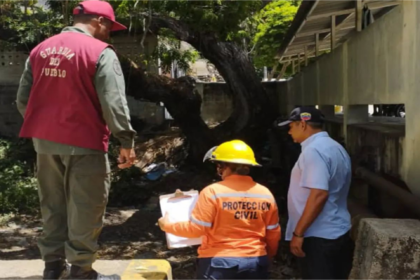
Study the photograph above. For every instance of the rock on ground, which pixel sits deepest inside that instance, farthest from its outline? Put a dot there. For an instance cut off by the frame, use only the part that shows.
(387, 249)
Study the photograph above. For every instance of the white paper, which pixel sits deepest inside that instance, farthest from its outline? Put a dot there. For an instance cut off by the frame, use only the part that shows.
(179, 210)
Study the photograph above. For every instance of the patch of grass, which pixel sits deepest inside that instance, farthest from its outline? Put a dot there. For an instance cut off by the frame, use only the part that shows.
(18, 186)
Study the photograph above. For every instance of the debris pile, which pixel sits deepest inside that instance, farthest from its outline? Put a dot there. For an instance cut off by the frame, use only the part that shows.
(162, 148)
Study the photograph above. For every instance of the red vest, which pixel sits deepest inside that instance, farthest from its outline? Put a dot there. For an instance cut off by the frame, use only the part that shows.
(63, 104)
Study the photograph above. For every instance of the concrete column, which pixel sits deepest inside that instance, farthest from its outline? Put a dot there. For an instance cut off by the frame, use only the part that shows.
(283, 90)
(354, 114)
(410, 56)
(290, 101)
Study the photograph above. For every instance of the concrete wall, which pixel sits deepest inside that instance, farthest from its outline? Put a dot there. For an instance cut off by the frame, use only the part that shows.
(10, 119)
(216, 105)
(217, 100)
(376, 66)
(387, 249)
(11, 66)
(129, 46)
(149, 112)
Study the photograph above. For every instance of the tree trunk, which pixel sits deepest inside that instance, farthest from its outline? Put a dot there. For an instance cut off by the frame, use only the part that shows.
(181, 100)
(252, 111)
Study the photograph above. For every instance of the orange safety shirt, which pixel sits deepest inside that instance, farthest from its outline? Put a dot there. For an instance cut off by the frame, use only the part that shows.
(235, 217)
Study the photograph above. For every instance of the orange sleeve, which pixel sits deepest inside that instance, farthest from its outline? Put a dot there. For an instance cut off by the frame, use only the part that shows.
(185, 229)
(273, 232)
(201, 219)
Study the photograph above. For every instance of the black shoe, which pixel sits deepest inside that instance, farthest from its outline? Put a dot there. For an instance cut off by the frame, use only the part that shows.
(56, 270)
(78, 272)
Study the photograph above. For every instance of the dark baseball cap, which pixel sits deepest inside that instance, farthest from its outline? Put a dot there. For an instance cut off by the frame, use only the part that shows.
(99, 8)
(307, 114)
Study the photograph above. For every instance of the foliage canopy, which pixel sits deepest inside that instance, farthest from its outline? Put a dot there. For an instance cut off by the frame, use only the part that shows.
(273, 23)
(257, 26)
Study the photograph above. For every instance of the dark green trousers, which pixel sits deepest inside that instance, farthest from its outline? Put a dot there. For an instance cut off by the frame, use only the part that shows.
(73, 193)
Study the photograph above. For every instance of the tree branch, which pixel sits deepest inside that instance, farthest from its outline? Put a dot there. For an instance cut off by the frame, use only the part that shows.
(146, 26)
(181, 100)
(181, 30)
(253, 48)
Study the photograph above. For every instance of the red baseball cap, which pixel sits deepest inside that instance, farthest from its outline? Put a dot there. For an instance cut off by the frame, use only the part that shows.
(100, 8)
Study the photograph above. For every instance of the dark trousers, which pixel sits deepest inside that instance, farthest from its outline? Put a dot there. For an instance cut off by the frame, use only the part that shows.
(327, 258)
(73, 192)
(233, 268)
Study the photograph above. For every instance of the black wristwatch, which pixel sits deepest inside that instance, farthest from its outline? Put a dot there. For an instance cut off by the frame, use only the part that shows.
(300, 236)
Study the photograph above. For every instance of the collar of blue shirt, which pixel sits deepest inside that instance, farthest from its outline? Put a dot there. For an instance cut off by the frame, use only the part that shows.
(310, 139)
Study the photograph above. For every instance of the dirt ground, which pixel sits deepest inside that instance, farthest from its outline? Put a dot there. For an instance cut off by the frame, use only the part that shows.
(131, 232)
(127, 234)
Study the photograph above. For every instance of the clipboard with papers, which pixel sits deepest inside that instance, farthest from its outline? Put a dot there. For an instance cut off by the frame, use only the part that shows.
(179, 206)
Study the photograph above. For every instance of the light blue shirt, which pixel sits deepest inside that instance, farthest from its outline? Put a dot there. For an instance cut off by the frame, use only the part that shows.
(323, 164)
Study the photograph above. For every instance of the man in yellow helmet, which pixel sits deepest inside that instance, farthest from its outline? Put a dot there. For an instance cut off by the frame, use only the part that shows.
(237, 219)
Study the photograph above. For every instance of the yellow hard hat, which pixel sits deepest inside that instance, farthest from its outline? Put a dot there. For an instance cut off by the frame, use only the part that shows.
(235, 151)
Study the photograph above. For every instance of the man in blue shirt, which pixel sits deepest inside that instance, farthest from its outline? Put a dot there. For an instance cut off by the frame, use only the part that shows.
(319, 222)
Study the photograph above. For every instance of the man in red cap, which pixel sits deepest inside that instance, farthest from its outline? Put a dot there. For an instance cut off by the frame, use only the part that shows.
(72, 96)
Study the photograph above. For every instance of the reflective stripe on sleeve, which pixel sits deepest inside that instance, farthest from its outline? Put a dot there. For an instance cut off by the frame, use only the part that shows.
(252, 195)
(272, 226)
(200, 223)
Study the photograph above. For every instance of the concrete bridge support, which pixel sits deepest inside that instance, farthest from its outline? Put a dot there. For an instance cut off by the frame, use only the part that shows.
(378, 65)
(383, 246)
